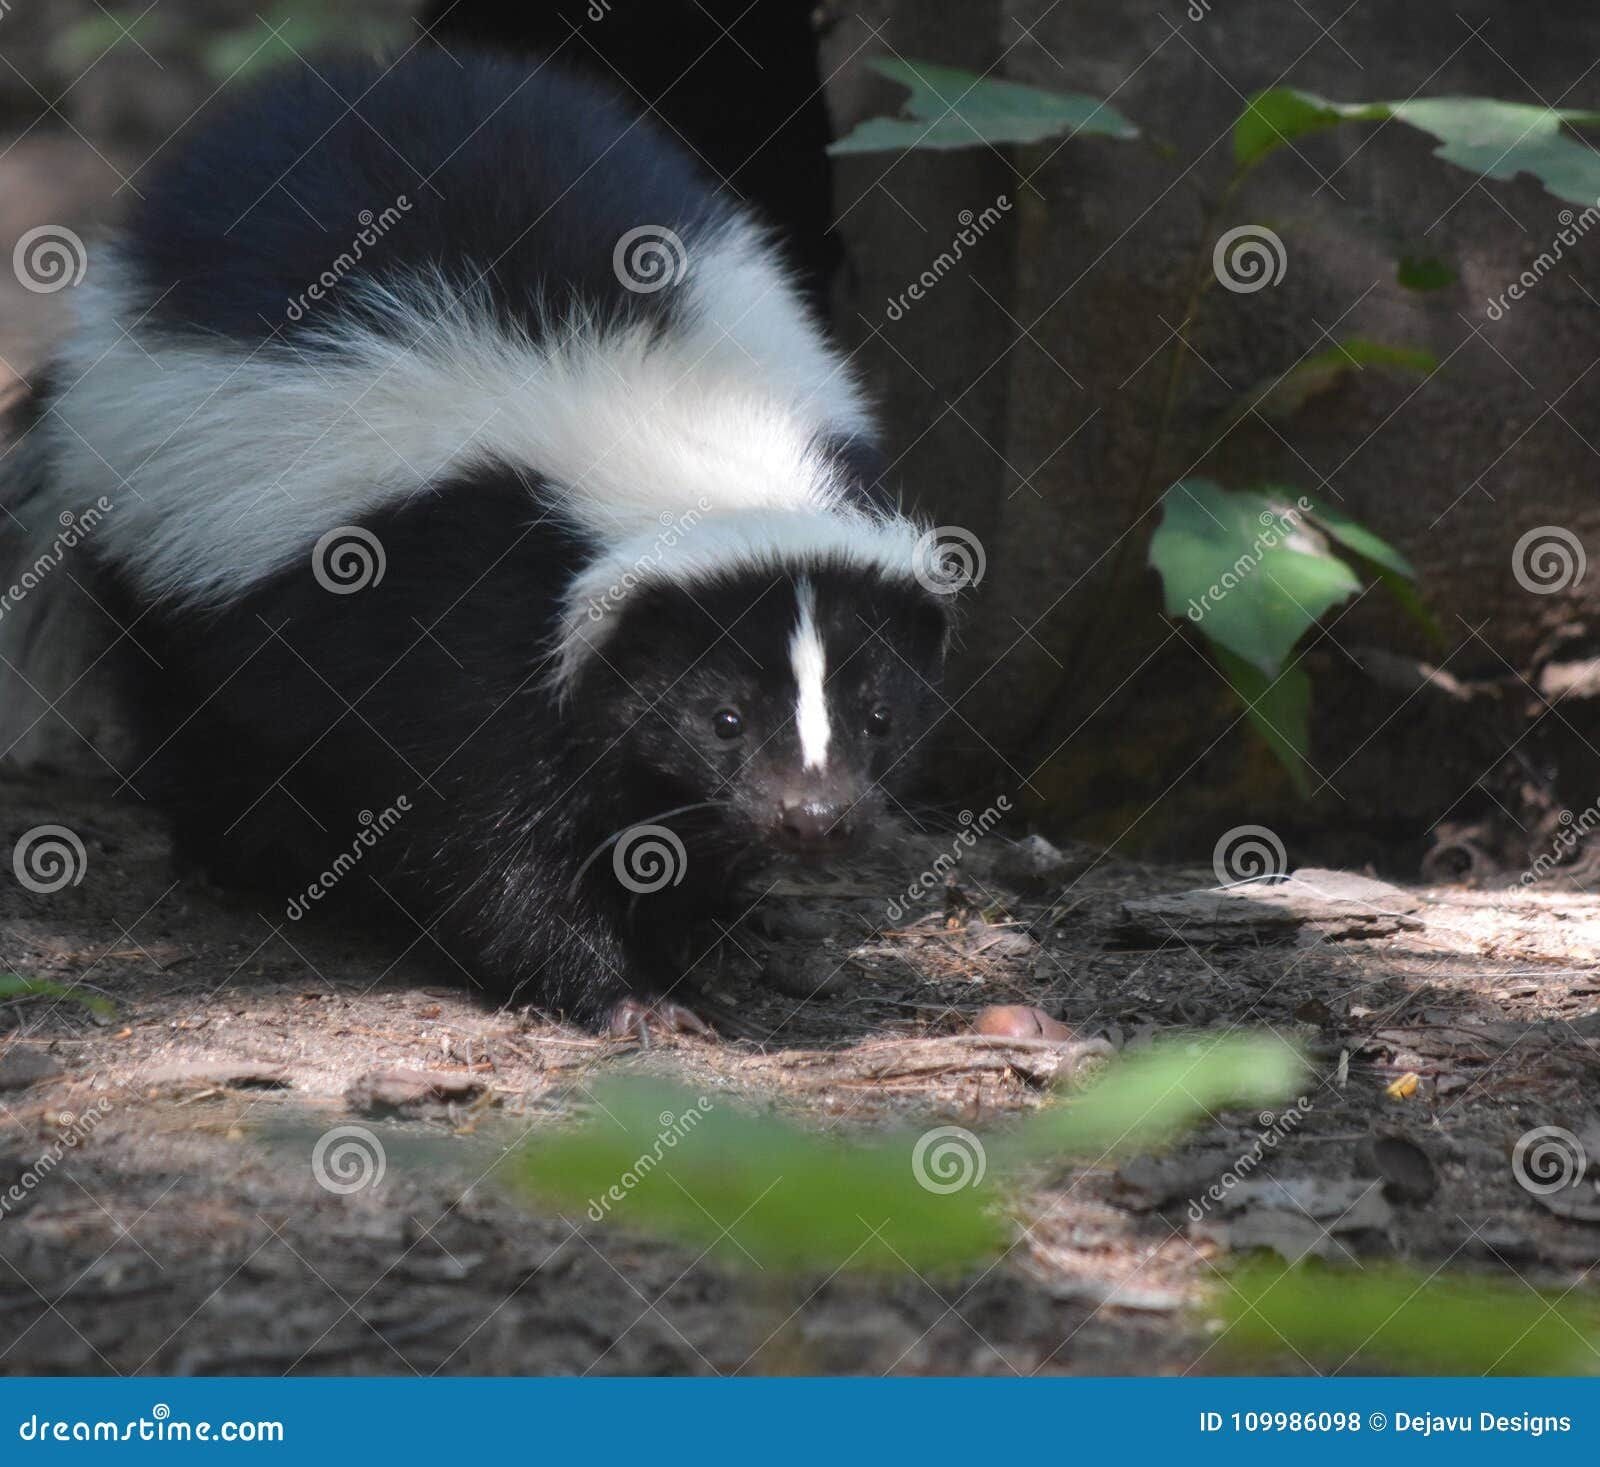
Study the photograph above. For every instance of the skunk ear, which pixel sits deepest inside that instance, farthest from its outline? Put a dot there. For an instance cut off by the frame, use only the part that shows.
(936, 617)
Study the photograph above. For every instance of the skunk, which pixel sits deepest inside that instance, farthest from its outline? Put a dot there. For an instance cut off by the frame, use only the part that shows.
(457, 452)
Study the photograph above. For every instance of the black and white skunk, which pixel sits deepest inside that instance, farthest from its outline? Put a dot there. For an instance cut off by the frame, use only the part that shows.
(460, 454)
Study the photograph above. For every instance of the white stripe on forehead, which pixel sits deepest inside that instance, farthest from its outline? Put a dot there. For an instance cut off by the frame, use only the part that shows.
(810, 664)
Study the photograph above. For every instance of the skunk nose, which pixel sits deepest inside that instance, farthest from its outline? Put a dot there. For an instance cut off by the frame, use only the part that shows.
(812, 822)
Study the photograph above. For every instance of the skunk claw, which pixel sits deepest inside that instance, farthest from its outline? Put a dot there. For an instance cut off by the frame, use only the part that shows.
(634, 1018)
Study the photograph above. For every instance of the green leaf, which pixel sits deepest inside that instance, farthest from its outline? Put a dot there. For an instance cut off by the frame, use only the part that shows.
(1401, 1319)
(1382, 560)
(1496, 139)
(83, 43)
(1425, 272)
(1285, 395)
(1149, 1098)
(1485, 136)
(1279, 708)
(288, 33)
(759, 1192)
(1357, 538)
(952, 108)
(1246, 568)
(1273, 118)
(13, 986)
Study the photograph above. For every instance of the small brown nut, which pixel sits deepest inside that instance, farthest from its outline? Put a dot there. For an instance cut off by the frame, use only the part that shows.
(1018, 1021)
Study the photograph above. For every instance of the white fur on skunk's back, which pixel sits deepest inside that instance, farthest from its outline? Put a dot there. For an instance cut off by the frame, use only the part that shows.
(227, 464)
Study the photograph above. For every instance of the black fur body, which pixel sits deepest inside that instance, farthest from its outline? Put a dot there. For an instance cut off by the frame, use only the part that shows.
(469, 732)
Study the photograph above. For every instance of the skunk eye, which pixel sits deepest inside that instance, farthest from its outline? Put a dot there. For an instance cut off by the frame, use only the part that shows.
(726, 723)
(879, 722)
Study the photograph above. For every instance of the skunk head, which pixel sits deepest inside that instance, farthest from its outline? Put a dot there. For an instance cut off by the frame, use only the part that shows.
(788, 697)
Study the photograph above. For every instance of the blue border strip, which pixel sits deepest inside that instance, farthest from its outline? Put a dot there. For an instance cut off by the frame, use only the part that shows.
(831, 1422)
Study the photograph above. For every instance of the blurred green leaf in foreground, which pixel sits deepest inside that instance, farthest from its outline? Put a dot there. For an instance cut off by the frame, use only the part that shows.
(756, 1190)
(14, 987)
(1348, 1321)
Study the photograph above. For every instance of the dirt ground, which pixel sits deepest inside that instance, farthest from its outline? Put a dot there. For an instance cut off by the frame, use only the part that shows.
(187, 1230)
